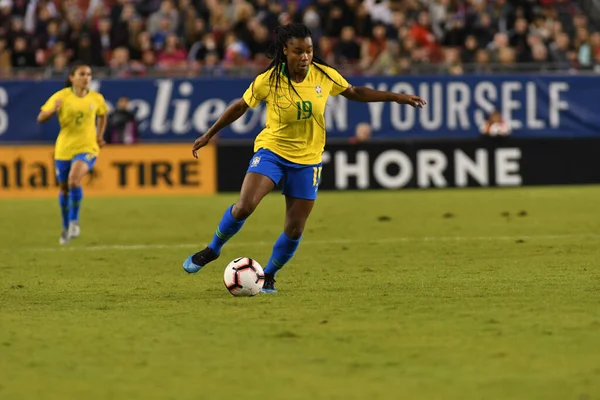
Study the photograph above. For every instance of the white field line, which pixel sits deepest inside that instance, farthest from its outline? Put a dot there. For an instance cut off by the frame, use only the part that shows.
(234, 243)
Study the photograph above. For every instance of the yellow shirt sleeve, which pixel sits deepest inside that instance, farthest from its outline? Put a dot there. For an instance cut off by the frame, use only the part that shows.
(258, 90)
(50, 104)
(102, 107)
(339, 82)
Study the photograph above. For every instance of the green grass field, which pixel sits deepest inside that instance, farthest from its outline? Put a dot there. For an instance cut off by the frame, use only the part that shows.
(449, 294)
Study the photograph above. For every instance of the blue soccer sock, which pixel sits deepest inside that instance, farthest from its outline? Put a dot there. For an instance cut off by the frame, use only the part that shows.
(63, 200)
(228, 227)
(76, 197)
(283, 251)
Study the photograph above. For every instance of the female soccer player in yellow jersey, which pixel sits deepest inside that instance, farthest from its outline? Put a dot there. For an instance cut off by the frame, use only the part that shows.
(78, 142)
(295, 88)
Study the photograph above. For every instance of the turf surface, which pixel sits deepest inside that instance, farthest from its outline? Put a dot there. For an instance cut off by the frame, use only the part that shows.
(441, 294)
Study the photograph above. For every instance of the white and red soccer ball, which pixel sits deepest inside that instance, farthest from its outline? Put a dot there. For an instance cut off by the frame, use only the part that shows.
(244, 277)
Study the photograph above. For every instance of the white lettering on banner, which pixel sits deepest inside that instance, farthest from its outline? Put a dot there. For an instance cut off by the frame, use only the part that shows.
(532, 121)
(431, 165)
(207, 113)
(4, 121)
(458, 99)
(451, 106)
(435, 109)
(376, 109)
(159, 124)
(485, 96)
(507, 167)
(181, 123)
(336, 113)
(464, 167)
(344, 170)
(509, 103)
(556, 104)
(380, 169)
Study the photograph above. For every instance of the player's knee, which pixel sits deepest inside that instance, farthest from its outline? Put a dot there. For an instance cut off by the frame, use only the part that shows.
(294, 228)
(242, 209)
(64, 188)
(74, 183)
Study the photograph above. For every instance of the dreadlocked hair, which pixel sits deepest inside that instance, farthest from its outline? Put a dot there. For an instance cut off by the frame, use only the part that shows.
(283, 34)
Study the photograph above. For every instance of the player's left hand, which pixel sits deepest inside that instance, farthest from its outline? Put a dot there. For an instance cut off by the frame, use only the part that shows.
(200, 143)
(101, 142)
(411, 100)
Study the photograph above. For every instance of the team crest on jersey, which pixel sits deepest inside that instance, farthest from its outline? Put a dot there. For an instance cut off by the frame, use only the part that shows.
(91, 106)
(255, 161)
(318, 89)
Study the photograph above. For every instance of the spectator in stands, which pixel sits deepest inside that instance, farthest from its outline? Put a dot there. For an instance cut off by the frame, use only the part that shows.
(326, 50)
(211, 66)
(495, 126)
(159, 37)
(59, 68)
(5, 58)
(482, 65)
(362, 133)
(47, 39)
(167, 13)
(347, 49)
(373, 46)
(549, 35)
(120, 65)
(17, 30)
(584, 49)
(518, 40)
(22, 56)
(260, 41)
(469, 51)
(173, 56)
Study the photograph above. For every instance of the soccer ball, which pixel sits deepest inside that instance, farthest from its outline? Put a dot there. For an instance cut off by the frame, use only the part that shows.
(244, 277)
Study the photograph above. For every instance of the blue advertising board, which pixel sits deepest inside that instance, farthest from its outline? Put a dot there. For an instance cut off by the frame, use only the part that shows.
(181, 109)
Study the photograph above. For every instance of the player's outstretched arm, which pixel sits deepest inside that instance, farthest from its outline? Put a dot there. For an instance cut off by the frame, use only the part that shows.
(231, 114)
(368, 95)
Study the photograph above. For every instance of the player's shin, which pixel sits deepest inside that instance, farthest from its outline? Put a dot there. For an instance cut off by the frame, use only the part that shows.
(63, 200)
(228, 227)
(76, 195)
(283, 251)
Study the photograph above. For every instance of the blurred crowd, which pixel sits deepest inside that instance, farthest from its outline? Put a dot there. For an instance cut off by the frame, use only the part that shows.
(224, 37)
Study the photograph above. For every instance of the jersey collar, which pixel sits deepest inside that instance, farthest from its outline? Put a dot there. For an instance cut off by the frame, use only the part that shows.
(73, 91)
(285, 74)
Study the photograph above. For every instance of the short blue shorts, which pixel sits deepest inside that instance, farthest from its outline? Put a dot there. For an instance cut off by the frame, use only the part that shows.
(63, 167)
(299, 181)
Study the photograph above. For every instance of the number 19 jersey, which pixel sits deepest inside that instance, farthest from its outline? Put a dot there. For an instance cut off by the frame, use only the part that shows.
(295, 126)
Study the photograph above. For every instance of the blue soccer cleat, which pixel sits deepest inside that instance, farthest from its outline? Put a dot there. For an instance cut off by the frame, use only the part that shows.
(269, 286)
(195, 262)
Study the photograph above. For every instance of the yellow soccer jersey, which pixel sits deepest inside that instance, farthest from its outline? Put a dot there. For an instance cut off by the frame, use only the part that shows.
(295, 128)
(77, 119)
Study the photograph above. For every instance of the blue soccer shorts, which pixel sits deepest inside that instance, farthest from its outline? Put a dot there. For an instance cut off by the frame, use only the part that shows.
(63, 167)
(299, 181)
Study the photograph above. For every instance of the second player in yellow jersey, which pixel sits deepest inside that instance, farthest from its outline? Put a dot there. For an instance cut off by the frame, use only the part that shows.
(82, 117)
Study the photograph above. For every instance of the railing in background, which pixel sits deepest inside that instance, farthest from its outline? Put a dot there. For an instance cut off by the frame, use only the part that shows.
(193, 70)
(171, 110)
